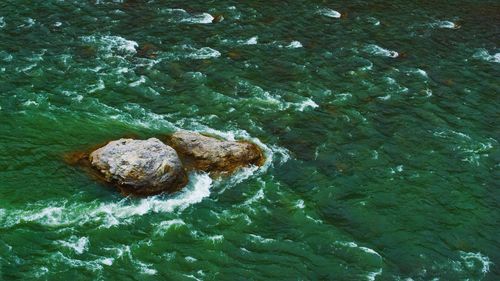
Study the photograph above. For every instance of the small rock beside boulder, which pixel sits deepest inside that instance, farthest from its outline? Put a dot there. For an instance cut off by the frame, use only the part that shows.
(210, 154)
(140, 167)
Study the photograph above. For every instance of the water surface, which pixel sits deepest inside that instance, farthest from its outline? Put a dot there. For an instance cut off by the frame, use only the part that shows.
(379, 120)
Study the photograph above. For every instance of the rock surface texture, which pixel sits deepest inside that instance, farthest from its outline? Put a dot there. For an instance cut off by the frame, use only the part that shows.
(213, 155)
(141, 167)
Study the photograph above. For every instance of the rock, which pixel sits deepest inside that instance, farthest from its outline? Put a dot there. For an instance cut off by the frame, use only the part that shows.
(218, 18)
(213, 155)
(140, 167)
(148, 50)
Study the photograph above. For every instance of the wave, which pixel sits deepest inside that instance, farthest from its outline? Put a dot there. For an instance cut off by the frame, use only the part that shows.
(264, 99)
(106, 215)
(484, 55)
(200, 18)
(164, 226)
(372, 275)
(444, 24)
(471, 260)
(252, 41)
(111, 45)
(187, 52)
(182, 16)
(329, 13)
(294, 45)
(2, 22)
(373, 21)
(204, 53)
(471, 150)
(379, 51)
(78, 245)
(307, 103)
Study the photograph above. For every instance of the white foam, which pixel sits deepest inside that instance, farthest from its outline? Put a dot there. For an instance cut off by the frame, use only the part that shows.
(141, 80)
(169, 10)
(204, 18)
(121, 251)
(252, 41)
(370, 251)
(342, 97)
(307, 103)
(257, 197)
(294, 45)
(6, 56)
(197, 189)
(379, 51)
(283, 153)
(470, 259)
(327, 12)
(300, 204)
(29, 22)
(112, 44)
(115, 213)
(260, 239)
(190, 259)
(92, 265)
(49, 216)
(204, 53)
(145, 268)
(483, 54)
(398, 169)
(41, 271)
(445, 24)
(107, 261)
(428, 92)
(124, 252)
(182, 16)
(79, 245)
(164, 226)
(30, 103)
(368, 67)
(470, 149)
(374, 21)
(354, 245)
(216, 238)
(192, 277)
(373, 275)
(2, 22)
(96, 87)
(240, 176)
(419, 71)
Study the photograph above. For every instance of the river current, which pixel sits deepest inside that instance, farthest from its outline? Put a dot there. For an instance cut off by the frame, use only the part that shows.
(379, 121)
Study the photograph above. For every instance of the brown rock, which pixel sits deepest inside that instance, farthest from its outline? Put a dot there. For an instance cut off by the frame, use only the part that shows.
(218, 18)
(213, 155)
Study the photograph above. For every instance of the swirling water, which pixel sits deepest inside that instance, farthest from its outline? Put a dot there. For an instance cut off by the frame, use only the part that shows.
(379, 120)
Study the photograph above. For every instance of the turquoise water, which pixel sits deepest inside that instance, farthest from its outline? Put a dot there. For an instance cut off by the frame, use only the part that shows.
(380, 129)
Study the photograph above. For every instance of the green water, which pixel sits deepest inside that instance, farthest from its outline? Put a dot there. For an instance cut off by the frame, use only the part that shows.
(380, 128)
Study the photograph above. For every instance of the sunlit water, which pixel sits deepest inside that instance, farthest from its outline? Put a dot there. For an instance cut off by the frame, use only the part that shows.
(379, 120)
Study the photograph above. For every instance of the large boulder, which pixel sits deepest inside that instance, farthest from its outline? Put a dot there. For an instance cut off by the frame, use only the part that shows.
(213, 155)
(140, 167)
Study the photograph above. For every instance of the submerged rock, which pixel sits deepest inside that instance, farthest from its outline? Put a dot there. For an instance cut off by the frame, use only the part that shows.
(213, 155)
(140, 167)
